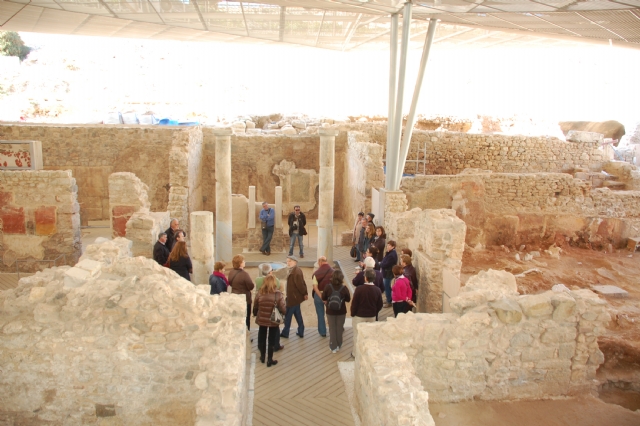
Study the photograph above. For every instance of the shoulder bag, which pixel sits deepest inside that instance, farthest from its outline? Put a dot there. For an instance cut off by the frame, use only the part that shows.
(276, 316)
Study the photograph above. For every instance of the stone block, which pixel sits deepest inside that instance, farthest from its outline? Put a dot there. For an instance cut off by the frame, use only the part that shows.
(76, 277)
(37, 294)
(564, 306)
(611, 291)
(507, 310)
(46, 220)
(91, 266)
(536, 306)
(561, 334)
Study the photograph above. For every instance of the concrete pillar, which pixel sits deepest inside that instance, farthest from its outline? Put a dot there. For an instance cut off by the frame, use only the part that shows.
(278, 207)
(327, 184)
(223, 194)
(202, 251)
(252, 207)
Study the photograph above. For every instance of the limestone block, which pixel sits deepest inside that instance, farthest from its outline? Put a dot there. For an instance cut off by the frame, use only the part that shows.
(298, 124)
(535, 306)
(240, 209)
(564, 306)
(559, 335)
(46, 313)
(580, 136)
(37, 294)
(507, 310)
(288, 130)
(76, 277)
(298, 186)
(91, 266)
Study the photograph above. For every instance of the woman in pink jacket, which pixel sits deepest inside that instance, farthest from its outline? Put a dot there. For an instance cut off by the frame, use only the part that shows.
(400, 292)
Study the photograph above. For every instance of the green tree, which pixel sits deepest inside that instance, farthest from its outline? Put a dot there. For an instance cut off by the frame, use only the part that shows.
(12, 45)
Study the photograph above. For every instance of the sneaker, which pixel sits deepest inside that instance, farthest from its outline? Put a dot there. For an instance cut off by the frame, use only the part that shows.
(334, 351)
(338, 349)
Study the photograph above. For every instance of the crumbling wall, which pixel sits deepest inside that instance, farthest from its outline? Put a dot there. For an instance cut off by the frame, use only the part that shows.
(185, 167)
(127, 195)
(497, 345)
(513, 209)
(93, 152)
(363, 171)
(39, 218)
(122, 340)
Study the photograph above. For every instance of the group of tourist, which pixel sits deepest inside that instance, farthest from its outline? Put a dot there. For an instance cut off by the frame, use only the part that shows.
(171, 250)
(297, 222)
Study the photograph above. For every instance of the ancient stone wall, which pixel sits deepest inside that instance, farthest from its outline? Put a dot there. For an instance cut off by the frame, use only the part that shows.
(513, 209)
(93, 152)
(451, 152)
(363, 171)
(121, 340)
(127, 195)
(39, 218)
(497, 345)
(185, 175)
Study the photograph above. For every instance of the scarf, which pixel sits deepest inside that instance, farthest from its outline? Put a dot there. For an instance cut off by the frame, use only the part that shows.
(221, 275)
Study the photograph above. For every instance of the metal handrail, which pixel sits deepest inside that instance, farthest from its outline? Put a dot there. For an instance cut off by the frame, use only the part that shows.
(55, 262)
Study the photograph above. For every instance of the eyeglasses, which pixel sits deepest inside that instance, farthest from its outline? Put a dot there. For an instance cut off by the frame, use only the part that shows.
(297, 210)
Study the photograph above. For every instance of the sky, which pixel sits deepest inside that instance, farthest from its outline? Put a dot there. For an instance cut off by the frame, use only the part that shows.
(187, 79)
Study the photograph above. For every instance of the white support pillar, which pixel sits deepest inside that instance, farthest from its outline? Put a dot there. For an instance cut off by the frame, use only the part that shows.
(252, 207)
(278, 208)
(223, 194)
(202, 250)
(393, 70)
(411, 118)
(327, 185)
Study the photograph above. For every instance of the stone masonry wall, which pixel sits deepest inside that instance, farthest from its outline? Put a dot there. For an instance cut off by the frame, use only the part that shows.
(127, 195)
(121, 340)
(39, 218)
(363, 171)
(452, 152)
(93, 152)
(513, 209)
(497, 345)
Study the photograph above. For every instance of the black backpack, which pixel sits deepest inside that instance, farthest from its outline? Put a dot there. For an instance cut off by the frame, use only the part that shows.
(217, 285)
(335, 299)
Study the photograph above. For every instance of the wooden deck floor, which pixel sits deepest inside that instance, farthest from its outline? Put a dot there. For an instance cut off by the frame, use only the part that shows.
(8, 281)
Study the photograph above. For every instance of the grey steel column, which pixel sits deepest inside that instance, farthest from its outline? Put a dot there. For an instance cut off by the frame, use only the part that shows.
(223, 194)
(393, 70)
(411, 119)
(397, 120)
(325, 201)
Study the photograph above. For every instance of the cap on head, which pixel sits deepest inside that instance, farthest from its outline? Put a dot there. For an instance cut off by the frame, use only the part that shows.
(295, 259)
(371, 215)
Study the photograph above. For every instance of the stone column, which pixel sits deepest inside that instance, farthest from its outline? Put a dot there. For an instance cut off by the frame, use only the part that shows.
(202, 251)
(223, 194)
(252, 207)
(278, 207)
(325, 202)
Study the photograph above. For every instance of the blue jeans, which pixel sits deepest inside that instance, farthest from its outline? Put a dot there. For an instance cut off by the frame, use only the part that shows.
(387, 288)
(267, 234)
(292, 242)
(293, 311)
(322, 326)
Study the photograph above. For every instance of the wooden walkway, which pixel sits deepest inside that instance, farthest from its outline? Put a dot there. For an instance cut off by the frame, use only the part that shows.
(8, 281)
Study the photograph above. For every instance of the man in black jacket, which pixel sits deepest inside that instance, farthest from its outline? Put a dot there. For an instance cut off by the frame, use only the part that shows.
(174, 225)
(297, 222)
(160, 250)
(366, 303)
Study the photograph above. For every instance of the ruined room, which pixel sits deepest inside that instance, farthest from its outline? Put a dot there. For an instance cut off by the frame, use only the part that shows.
(523, 232)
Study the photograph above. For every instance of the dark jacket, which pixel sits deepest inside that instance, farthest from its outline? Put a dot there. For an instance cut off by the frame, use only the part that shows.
(302, 222)
(367, 301)
(160, 253)
(241, 283)
(323, 275)
(296, 287)
(390, 260)
(380, 244)
(171, 239)
(358, 280)
(263, 306)
(182, 267)
(410, 272)
(346, 297)
(361, 240)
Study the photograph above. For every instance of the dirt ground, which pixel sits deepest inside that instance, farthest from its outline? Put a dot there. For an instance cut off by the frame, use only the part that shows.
(619, 376)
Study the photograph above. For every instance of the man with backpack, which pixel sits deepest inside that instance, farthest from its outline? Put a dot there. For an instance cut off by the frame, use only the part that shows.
(321, 277)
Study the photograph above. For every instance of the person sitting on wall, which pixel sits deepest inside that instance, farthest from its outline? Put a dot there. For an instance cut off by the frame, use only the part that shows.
(297, 222)
(174, 225)
(160, 250)
(268, 222)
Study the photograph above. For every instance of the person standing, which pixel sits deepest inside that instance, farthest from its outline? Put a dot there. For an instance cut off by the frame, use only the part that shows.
(356, 235)
(267, 298)
(241, 282)
(379, 241)
(401, 292)
(336, 317)
(322, 277)
(160, 250)
(369, 264)
(179, 260)
(370, 217)
(174, 225)
(361, 240)
(218, 280)
(410, 272)
(265, 271)
(296, 294)
(367, 302)
(369, 235)
(297, 222)
(389, 260)
(268, 222)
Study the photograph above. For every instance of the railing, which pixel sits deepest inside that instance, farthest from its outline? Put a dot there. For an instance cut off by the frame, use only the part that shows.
(55, 262)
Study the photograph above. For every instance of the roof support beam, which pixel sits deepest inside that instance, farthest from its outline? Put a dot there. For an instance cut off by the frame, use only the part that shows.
(320, 29)
(283, 11)
(411, 118)
(204, 23)
(393, 70)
